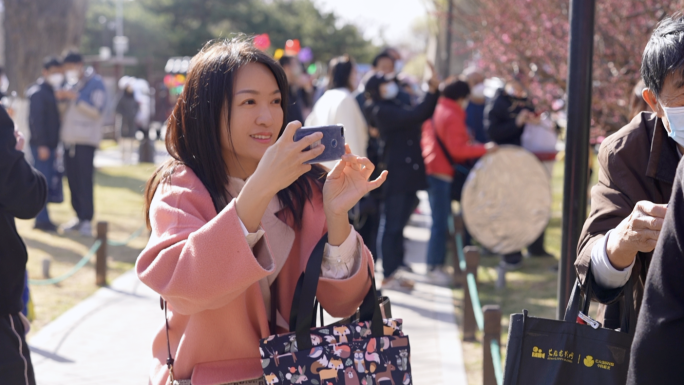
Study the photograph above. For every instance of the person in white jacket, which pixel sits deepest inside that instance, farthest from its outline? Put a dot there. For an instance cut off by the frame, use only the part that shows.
(338, 106)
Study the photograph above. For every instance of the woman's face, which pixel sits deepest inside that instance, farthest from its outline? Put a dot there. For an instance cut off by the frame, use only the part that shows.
(256, 118)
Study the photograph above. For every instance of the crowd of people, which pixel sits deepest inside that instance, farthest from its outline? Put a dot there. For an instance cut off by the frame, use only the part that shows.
(424, 139)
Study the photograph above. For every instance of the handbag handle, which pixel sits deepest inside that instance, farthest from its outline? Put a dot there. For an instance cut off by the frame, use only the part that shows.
(302, 312)
(628, 317)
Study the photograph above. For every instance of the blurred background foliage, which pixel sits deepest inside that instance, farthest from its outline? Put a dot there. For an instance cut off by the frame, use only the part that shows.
(159, 29)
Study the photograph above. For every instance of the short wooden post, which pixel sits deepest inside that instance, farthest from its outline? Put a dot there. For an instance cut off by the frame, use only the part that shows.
(472, 256)
(101, 255)
(500, 277)
(46, 268)
(492, 331)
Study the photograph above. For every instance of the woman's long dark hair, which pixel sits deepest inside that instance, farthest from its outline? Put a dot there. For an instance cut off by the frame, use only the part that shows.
(193, 137)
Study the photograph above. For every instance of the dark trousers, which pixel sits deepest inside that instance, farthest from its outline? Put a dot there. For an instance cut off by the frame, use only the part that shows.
(15, 357)
(439, 194)
(369, 232)
(396, 213)
(78, 161)
(537, 247)
(47, 168)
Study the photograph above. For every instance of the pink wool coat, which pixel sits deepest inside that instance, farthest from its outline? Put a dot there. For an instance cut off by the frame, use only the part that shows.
(201, 264)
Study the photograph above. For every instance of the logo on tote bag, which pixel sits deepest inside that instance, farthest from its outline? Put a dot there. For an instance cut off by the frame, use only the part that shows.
(537, 353)
(588, 361)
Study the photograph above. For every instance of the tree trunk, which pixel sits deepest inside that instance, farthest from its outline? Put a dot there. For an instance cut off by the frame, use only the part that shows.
(35, 29)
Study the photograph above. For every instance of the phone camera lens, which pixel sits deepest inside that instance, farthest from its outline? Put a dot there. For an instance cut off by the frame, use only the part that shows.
(333, 143)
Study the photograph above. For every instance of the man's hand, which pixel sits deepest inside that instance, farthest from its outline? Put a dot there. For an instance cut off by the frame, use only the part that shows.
(66, 95)
(638, 232)
(521, 119)
(533, 118)
(491, 147)
(433, 83)
(43, 153)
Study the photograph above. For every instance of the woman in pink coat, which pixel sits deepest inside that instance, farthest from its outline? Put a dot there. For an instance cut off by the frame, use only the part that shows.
(235, 215)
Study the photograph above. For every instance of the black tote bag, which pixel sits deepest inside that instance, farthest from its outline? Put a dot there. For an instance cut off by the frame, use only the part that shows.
(551, 352)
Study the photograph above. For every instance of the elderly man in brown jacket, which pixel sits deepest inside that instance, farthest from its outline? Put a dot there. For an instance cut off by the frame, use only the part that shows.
(637, 169)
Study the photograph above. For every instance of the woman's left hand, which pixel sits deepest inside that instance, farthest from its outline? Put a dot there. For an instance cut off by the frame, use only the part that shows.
(347, 183)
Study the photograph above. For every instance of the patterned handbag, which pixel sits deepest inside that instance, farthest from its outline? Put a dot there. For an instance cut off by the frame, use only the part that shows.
(366, 351)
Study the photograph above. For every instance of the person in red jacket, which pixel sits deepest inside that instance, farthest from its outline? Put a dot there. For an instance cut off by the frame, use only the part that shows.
(448, 124)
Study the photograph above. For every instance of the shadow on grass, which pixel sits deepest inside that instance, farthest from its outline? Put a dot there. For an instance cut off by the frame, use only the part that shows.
(135, 185)
(60, 254)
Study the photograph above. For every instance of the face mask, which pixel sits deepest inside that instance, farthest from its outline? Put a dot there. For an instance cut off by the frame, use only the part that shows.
(398, 66)
(73, 76)
(55, 80)
(675, 115)
(4, 84)
(391, 91)
(478, 91)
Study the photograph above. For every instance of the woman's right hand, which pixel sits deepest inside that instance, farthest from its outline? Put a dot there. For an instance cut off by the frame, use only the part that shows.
(283, 162)
(281, 165)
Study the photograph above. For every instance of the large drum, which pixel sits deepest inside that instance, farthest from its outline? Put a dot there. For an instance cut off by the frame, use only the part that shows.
(506, 200)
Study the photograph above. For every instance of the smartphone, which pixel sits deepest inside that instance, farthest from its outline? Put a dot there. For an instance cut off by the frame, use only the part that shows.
(333, 140)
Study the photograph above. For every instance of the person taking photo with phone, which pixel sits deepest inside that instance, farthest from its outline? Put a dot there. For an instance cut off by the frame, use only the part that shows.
(235, 215)
(400, 130)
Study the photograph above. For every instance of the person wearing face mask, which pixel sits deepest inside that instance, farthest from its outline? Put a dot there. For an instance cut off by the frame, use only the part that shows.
(446, 131)
(81, 135)
(44, 124)
(476, 104)
(636, 174)
(400, 130)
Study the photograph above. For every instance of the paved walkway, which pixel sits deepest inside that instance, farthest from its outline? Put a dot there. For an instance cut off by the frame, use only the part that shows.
(106, 339)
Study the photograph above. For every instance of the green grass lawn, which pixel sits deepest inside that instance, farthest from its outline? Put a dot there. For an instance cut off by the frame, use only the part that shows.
(118, 201)
(533, 287)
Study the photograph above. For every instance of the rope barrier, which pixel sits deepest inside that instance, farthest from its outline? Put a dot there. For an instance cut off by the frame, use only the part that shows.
(477, 307)
(475, 300)
(77, 267)
(93, 249)
(136, 234)
(496, 357)
(461, 256)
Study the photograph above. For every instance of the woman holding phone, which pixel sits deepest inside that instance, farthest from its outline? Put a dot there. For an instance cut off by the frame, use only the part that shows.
(234, 216)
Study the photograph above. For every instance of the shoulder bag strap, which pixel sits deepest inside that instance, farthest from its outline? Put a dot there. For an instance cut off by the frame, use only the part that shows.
(302, 313)
(441, 144)
(169, 359)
